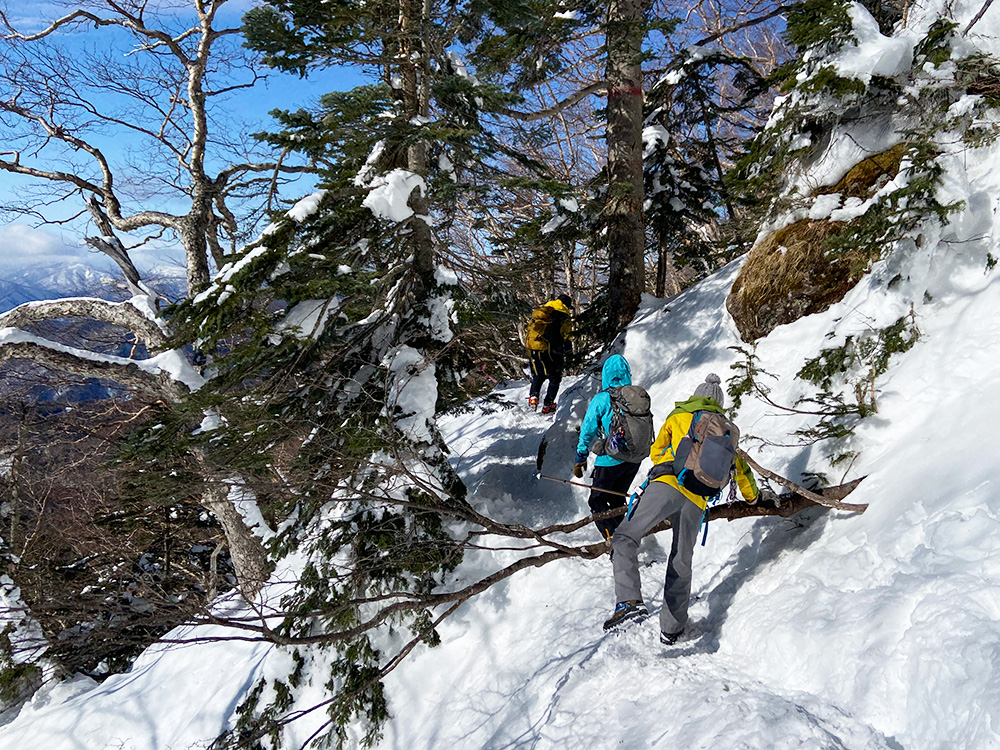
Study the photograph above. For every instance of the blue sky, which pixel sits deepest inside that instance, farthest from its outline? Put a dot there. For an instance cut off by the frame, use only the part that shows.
(23, 244)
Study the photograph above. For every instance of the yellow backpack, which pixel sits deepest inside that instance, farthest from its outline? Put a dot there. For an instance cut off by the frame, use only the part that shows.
(534, 339)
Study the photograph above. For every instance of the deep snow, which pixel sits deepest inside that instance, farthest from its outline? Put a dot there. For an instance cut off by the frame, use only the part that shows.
(825, 630)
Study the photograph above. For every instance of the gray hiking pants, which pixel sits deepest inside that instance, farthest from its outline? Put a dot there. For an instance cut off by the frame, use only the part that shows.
(659, 501)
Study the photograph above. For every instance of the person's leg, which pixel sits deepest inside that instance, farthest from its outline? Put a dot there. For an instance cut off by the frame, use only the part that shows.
(653, 507)
(685, 521)
(623, 482)
(554, 367)
(617, 478)
(610, 478)
(538, 374)
(600, 501)
(554, 381)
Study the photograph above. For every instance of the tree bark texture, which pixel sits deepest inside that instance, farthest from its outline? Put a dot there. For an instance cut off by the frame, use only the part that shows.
(624, 217)
(122, 314)
(416, 97)
(245, 548)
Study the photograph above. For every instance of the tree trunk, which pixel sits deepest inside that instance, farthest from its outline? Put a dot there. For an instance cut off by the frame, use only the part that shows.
(195, 244)
(667, 283)
(416, 97)
(626, 274)
(245, 549)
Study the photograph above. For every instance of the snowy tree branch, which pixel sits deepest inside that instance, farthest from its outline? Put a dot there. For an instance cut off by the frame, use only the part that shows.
(122, 314)
(153, 381)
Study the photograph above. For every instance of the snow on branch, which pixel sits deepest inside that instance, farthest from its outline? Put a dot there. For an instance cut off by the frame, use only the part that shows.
(124, 314)
(167, 375)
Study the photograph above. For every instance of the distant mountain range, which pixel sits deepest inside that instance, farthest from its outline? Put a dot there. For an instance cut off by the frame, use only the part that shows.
(44, 282)
(78, 280)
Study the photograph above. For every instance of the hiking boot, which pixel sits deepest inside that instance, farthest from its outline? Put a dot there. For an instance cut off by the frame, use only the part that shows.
(548, 408)
(533, 402)
(624, 612)
(669, 639)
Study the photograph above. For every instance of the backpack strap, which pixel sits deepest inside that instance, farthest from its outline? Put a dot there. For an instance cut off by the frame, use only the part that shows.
(681, 456)
(601, 432)
(633, 502)
(694, 424)
(706, 516)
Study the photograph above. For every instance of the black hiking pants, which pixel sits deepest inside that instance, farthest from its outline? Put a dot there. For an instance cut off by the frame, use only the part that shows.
(545, 366)
(617, 478)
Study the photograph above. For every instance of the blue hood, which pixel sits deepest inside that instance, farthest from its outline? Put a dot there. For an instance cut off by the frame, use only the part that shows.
(616, 372)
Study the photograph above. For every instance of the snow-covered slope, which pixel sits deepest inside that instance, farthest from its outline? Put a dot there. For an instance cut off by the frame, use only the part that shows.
(826, 630)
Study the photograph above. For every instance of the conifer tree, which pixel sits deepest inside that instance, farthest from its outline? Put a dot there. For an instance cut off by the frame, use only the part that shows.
(333, 345)
(687, 201)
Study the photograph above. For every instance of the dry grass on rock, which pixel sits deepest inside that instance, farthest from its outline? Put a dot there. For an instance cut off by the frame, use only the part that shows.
(790, 273)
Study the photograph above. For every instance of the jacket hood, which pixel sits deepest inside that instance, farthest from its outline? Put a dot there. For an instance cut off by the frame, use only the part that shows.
(615, 372)
(558, 306)
(697, 403)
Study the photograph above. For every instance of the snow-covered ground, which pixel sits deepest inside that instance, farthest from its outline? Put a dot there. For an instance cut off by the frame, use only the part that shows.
(825, 630)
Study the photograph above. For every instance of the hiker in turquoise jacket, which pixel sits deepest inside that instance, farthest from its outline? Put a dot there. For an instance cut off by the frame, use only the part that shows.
(609, 473)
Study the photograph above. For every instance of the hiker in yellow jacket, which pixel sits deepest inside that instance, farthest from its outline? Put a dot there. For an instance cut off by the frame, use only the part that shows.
(548, 344)
(665, 498)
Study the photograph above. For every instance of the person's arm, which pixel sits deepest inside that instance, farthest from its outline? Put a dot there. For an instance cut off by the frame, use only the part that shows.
(745, 480)
(592, 422)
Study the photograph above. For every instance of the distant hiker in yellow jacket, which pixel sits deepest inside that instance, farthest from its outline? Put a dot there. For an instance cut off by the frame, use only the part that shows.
(667, 497)
(548, 344)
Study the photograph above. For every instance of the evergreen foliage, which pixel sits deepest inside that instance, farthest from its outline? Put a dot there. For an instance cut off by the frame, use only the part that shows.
(686, 197)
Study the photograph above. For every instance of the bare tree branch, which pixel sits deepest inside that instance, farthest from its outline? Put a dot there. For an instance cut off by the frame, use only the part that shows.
(77, 16)
(122, 314)
(566, 103)
(156, 383)
(755, 21)
(980, 14)
(799, 490)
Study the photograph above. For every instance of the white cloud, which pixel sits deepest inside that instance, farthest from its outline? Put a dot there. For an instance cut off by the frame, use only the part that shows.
(22, 246)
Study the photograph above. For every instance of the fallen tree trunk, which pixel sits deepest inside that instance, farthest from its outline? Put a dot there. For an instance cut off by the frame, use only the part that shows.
(790, 505)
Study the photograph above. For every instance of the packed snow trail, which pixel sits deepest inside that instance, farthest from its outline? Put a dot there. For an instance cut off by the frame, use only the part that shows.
(825, 630)
(528, 664)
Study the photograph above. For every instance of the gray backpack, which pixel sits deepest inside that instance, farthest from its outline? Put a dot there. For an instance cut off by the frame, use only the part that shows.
(705, 456)
(631, 429)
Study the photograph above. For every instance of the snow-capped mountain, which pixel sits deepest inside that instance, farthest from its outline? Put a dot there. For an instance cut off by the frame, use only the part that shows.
(60, 277)
(13, 294)
(46, 281)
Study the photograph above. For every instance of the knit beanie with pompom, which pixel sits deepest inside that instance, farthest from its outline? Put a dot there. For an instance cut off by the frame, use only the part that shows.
(712, 388)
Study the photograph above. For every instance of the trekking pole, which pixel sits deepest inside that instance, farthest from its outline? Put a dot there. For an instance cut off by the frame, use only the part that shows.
(581, 484)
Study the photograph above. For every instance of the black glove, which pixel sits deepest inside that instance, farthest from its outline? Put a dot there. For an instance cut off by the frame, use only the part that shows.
(580, 467)
(769, 497)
